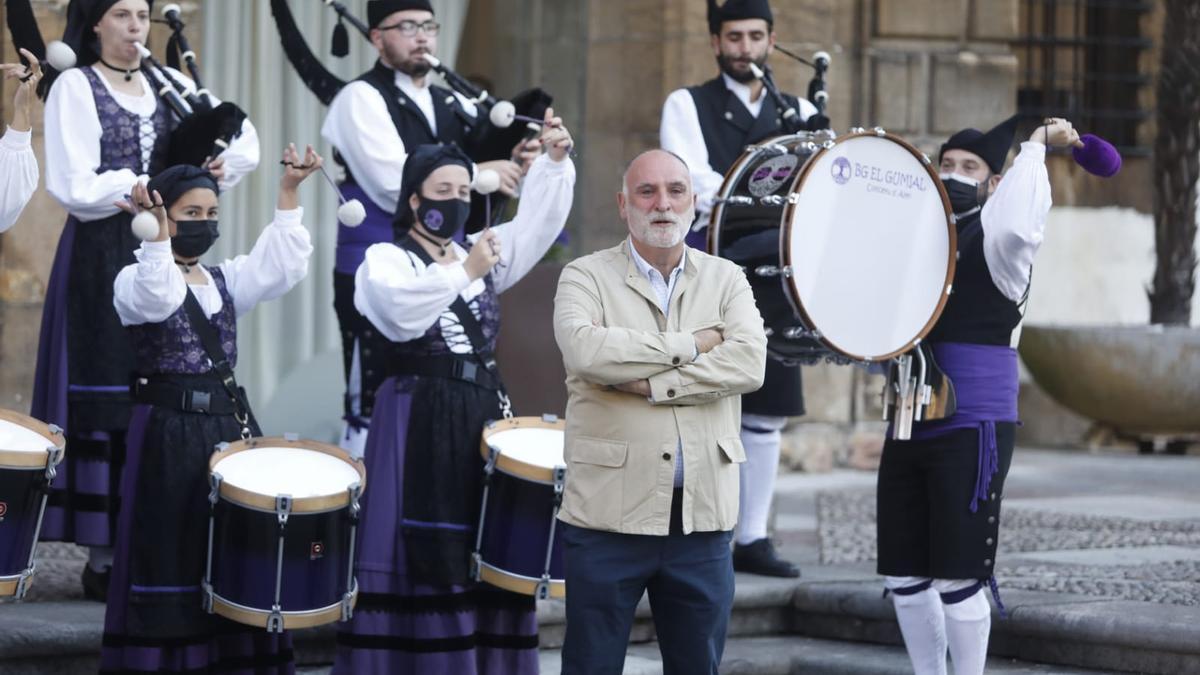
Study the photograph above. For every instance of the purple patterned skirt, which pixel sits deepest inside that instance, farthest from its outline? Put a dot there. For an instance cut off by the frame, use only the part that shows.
(401, 626)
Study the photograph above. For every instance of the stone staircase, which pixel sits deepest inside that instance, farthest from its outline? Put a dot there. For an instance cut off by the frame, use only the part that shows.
(833, 621)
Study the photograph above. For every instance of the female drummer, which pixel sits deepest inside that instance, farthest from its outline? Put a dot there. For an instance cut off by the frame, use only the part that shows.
(105, 128)
(154, 621)
(418, 611)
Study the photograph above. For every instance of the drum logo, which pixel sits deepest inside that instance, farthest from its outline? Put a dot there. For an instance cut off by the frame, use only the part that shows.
(316, 550)
(3, 509)
(772, 174)
(840, 170)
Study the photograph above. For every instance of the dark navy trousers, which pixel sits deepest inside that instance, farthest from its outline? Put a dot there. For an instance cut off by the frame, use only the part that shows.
(690, 583)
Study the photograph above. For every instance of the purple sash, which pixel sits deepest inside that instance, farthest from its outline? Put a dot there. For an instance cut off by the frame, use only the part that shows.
(985, 384)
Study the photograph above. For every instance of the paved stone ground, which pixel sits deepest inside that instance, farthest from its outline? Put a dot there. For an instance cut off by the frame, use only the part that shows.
(1119, 542)
(58, 569)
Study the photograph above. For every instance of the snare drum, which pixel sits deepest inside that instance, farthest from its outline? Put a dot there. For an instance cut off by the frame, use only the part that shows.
(865, 243)
(29, 451)
(284, 515)
(517, 545)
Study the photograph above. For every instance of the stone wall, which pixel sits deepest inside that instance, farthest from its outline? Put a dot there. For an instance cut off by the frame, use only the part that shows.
(919, 68)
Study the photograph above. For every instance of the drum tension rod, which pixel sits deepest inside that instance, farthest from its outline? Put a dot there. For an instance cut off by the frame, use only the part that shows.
(283, 508)
(351, 593)
(542, 590)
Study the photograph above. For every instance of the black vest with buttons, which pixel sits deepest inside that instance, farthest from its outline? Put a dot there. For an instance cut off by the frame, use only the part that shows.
(728, 127)
(977, 312)
(410, 122)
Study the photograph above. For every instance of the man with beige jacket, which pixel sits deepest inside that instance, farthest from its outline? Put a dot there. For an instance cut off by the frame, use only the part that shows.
(659, 341)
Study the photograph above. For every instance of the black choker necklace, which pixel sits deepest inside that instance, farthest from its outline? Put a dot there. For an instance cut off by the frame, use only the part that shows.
(186, 266)
(128, 72)
(443, 245)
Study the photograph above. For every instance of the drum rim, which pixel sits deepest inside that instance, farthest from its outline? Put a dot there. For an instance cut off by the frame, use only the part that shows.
(259, 618)
(510, 465)
(785, 244)
(18, 459)
(728, 183)
(11, 583)
(261, 502)
(519, 583)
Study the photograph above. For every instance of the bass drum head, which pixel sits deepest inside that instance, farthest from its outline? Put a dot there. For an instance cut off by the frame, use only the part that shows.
(870, 241)
(745, 229)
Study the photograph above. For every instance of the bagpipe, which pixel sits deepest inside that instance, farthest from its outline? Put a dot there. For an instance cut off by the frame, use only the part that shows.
(206, 127)
(492, 133)
(816, 93)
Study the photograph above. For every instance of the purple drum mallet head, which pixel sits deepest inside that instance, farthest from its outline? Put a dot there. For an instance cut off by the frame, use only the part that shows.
(1097, 156)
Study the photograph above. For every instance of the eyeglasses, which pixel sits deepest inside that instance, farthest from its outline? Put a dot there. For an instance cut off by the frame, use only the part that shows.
(409, 28)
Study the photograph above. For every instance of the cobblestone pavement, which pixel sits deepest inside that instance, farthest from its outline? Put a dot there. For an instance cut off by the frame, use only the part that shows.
(846, 533)
(58, 569)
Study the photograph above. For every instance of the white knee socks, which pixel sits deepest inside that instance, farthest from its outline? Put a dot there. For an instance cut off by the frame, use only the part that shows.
(761, 441)
(922, 624)
(968, 624)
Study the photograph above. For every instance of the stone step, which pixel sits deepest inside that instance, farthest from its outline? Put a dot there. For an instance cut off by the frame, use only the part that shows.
(69, 631)
(834, 603)
(1054, 628)
(761, 606)
(788, 655)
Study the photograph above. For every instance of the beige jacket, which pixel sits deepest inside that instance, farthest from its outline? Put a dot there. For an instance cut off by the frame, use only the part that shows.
(620, 447)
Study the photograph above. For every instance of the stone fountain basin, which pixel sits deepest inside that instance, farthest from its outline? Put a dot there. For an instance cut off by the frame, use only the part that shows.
(1138, 379)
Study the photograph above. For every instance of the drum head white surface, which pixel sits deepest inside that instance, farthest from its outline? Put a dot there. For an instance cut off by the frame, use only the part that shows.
(297, 472)
(16, 438)
(869, 247)
(533, 446)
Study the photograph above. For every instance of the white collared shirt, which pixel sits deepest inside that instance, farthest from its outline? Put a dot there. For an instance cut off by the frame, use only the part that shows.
(664, 289)
(742, 91)
(419, 95)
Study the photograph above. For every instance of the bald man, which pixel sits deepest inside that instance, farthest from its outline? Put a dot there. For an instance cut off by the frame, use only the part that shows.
(659, 341)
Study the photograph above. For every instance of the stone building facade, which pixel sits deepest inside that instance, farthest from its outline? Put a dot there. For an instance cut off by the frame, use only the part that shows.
(919, 68)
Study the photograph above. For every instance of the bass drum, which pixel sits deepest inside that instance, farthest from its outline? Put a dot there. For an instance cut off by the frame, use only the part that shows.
(848, 243)
(745, 228)
(868, 243)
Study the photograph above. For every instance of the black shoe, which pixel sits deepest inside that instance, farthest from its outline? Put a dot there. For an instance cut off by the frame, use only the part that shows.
(95, 584)
(758, 557)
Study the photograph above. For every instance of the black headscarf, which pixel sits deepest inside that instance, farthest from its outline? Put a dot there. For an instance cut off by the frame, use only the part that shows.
(82, 16)
(23, 27)
(992, 147)
(174, 182)
(378, 10)
(424, 160)
(736, 10)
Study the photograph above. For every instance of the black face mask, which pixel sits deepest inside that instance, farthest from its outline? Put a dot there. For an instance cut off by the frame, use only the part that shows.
(443, 217)
(965, 194)
(194, 237)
